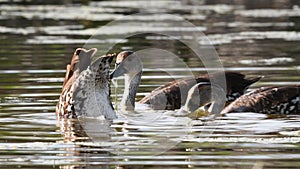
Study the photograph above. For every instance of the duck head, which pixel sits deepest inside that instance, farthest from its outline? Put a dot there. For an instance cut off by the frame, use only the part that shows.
(202, 95)
(129, 65)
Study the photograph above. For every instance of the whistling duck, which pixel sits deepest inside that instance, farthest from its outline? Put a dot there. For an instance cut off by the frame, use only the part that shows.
(173, 94)
(85, 89)
(132, 71)
(203, 99)
(267, 100)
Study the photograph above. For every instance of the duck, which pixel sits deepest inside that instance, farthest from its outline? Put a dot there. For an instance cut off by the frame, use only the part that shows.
(268, 100)
(203, 99)
(131, 69)
(171, 95)
(265, 100)
(86, 87)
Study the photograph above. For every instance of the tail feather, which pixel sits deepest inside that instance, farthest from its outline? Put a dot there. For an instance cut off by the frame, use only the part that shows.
(251, 80)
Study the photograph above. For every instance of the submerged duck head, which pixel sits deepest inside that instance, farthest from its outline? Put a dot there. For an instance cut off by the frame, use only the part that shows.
(202, 95)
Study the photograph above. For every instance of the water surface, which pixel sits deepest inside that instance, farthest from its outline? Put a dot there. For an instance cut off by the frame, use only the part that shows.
(39, 38)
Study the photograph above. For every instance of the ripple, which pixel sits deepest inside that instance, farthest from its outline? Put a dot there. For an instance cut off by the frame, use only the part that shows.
(42, 79)
(248, 140)
(255, 24)
(126, 29)
(41, 71)
(270, 13)
(271, 61)
(57, 12)
(30, 135)
(65, 40)
(167, 5)
(99, 11)
(23, 31)
(35, 146)
(218, 39)
(106, 30)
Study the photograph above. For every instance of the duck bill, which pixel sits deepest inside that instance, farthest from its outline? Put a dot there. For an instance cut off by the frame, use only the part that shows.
(193, 115)
(199, 113)
(118, 71)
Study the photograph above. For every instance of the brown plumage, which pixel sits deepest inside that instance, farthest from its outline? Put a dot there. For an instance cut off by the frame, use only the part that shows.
(72, 71)
(173, 94)
(83, 81)
(80, 61)
(268, 100)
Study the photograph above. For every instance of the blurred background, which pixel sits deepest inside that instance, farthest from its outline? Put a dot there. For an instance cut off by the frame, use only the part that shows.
(38, 39)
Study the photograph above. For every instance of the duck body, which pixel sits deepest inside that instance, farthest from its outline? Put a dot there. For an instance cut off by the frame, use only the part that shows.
(268, 100)
(278, 100)
(86, 87)
(173, 95)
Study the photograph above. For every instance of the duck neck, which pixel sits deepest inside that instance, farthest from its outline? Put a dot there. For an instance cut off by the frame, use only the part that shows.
(216, 106)
(213, 95)
(132, 82)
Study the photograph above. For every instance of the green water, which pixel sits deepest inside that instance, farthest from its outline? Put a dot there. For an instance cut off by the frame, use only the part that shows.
(39, 38)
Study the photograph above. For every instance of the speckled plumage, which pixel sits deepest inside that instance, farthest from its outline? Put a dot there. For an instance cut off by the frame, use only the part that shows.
(173, 94)
(86, 87)
(268, 100)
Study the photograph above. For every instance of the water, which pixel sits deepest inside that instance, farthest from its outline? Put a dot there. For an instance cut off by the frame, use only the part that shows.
(38, 39)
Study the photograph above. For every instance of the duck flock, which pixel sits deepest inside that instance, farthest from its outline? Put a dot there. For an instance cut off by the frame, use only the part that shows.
(86, 90)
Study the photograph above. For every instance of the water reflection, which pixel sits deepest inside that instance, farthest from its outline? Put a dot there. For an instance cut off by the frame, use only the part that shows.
(37, 38)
